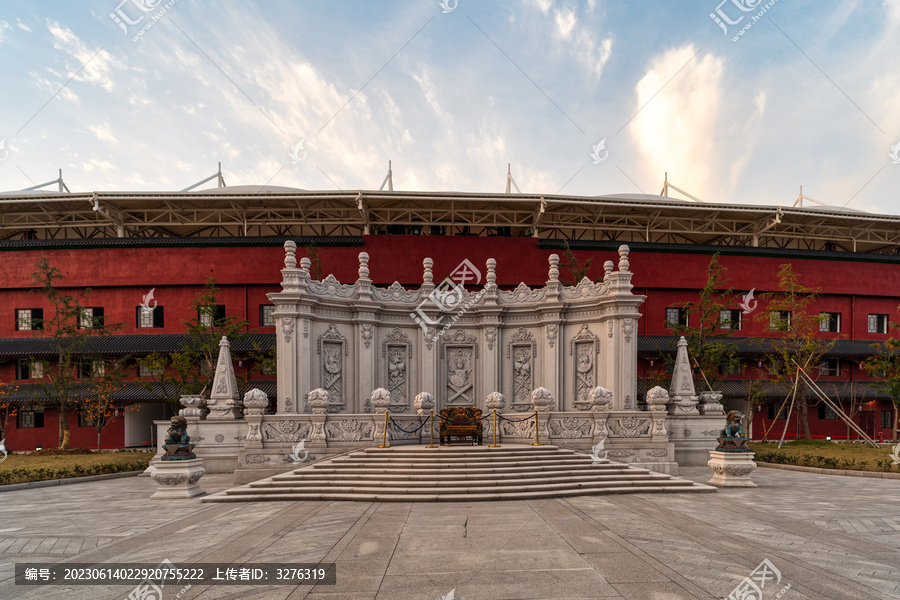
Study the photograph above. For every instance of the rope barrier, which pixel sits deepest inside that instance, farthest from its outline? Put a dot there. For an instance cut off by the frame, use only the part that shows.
(397, 425)
(531, 416)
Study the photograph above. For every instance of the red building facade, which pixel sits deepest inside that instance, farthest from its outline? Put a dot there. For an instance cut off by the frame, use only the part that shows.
(860, 288)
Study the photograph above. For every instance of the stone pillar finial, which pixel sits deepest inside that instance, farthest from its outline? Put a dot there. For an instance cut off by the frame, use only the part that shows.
(607, 268)
(623, 258)
(290, 251)
(363, 265)
(491, 272)
(553, 274)
(427, 275)
(305, 264)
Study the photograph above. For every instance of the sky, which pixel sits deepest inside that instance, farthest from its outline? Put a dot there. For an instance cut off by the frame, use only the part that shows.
(740, 102)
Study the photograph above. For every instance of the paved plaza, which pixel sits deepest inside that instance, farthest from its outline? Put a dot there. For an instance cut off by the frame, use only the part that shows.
(830, 538)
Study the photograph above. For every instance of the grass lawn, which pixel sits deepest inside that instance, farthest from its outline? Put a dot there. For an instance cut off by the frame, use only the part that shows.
(20, 468)
(829, 455)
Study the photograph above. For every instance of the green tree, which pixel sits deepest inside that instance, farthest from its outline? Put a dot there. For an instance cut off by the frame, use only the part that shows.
(885, 365)
(315, 267)
(190, 370)
(7, 407)
(789, 316)
(72, 332)
(572, 269)
(706, 331)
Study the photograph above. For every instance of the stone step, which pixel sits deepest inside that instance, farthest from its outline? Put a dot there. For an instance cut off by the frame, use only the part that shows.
(374, 489)
(512, 495)
(462, 482)
(418, 474)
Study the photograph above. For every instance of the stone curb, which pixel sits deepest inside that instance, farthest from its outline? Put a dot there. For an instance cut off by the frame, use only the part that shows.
(52, 482)
(821, 471)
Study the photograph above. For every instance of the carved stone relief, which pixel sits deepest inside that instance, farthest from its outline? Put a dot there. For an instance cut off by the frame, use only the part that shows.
(332, 346)
(521, 350)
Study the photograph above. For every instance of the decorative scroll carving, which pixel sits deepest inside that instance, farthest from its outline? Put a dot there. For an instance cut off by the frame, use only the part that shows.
(584, 289)
(521, 337)
(348, 430)
(287, 328)
(570, 427)
(552, 331)
(490, 334)
(332, 346)
(330, 286)
(365, 331)
(609, 329)
(285, 431)
(257, 459)
(395, 293)
(628, 329)
(621, 454)
(628, 427)
(658, 452)
(522, 293)
(517, 429)
(306, 328)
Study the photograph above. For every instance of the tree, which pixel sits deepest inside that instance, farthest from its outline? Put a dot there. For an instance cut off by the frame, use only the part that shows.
(7, 407)
(707, 341)
(576, 269)
(315, 267)
(97, 406)
(788, 315)
(72, 333)
(190, 370)
(885, 365)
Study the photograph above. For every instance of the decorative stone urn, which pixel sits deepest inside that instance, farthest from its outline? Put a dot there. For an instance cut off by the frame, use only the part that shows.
(658, 398)
(709, 403)
(424, 402)
(194, 406)
(495, 401)
(318, 401)
(601, 399)
(542, 399)
(256, 402)
(381, 400)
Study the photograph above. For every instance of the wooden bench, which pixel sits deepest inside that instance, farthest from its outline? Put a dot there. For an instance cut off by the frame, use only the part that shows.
(461, 422)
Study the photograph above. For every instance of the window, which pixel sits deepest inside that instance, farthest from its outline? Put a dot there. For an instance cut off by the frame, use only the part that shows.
(267, 316)
(30, 416)
(878, 323)
(772, 411)
(830, 367)
(730, 319)
(732, 369)
(91, 368)
(84, 419)
(91, 317)
(149, 317)
(830, 322)
(29, 319)
(211, 315)
(147, 371)
(780, 320)
(887, 417)
(676, 316)
(826, 414)
(29, 369)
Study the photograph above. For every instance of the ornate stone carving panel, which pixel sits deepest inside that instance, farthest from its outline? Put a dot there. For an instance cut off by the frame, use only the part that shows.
(348, 430)
(628, 427)
(397, 351)
(521, 350)
(459, 352)
(584, 348)
(285, 431)
(570, 428)
(332, 346)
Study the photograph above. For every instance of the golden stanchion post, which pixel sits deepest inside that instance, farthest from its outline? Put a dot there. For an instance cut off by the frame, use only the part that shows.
(494, 445)
(431, 427)
(537, 433)
(384, 437)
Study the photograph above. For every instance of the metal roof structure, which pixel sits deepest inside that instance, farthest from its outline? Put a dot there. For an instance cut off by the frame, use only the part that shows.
(276, 211)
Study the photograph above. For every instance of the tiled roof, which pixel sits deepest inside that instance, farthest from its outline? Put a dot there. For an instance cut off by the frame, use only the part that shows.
(738, 388)
(132, 391)
(754, 345)
(123, 344)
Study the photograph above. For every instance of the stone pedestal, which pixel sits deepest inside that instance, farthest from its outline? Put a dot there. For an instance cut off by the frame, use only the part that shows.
(731, 469)
(177, 479)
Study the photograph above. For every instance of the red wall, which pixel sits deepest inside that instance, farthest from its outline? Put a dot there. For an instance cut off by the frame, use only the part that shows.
(28, 438)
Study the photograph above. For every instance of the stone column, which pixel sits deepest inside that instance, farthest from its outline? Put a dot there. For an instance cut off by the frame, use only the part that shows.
(428, 348)
(255, 404)
(542, 400)
(601, 403)
(318, 404)
(491, 353)
(494, 401)
(381, 401)
(365, 346)
(292, 316)
(424, 404)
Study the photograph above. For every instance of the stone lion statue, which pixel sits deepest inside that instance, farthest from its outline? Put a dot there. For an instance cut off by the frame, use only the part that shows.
(733, 426)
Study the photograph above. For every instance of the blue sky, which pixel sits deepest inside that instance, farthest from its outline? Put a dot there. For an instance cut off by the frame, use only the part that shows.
(808, 95)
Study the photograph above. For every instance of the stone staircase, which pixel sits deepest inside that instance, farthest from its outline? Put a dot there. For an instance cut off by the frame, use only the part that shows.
(456, 473)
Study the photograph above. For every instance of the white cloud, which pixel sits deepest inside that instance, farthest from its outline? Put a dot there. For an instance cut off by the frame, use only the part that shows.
(684, 130)
(23, 26)
(93, 67)
(103, 132)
